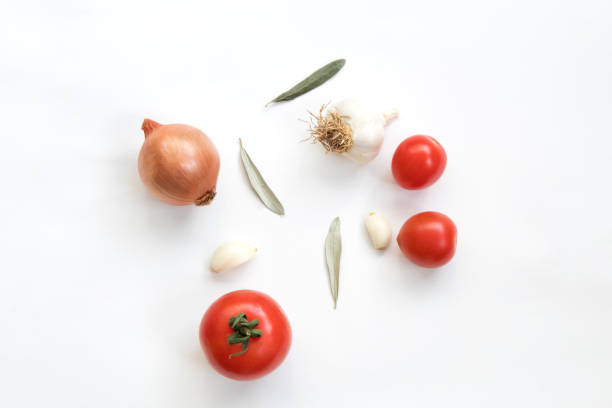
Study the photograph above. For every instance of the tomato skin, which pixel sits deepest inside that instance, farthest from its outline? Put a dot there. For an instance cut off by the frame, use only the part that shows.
(418, 162)
(428, 239)
(264, 353)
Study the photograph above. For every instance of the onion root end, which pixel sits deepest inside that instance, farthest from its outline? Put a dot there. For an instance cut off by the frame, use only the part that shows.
(207, 198)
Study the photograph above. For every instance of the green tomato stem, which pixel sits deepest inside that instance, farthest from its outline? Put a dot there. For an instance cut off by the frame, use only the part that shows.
(244, 330)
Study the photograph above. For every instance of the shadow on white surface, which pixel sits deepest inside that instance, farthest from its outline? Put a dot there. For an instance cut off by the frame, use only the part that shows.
(135, 207)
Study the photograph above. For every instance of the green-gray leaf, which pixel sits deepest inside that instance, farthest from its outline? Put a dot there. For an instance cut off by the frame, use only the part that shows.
(259, 184)
(317, 78)
(333, 251)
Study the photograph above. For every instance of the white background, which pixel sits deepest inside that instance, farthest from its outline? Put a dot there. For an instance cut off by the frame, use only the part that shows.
(102, 287)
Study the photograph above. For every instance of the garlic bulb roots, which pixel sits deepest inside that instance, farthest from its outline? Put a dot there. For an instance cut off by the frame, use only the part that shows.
(351, 128)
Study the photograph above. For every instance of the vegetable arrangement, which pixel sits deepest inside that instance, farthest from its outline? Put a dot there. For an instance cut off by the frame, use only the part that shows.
(245, 334)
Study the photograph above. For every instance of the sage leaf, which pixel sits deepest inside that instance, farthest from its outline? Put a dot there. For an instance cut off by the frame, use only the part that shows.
(333, 251)
(266, 195)
(317, 78)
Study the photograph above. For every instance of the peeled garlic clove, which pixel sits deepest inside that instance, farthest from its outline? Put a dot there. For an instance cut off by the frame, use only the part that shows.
(379, 230)
(230, 255)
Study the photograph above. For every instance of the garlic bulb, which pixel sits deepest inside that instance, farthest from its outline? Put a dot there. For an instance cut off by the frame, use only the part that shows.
(230, 255)
(379, 230)
(352, 129)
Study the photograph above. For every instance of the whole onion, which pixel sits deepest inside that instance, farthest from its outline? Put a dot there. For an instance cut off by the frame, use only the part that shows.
(178, 164)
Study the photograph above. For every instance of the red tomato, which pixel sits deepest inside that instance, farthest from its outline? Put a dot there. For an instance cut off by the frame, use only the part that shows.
(418, 162)
(267, 338)
(428, 239)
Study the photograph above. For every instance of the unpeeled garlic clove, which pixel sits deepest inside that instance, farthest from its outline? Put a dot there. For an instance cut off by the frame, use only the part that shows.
(230, 255)
(379, 230)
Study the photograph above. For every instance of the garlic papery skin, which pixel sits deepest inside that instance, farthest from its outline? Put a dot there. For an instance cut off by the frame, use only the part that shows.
(231, 254)
(352, 129)
(379, 230)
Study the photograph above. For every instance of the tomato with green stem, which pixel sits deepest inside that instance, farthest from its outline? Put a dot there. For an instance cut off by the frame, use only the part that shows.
(245, 335)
